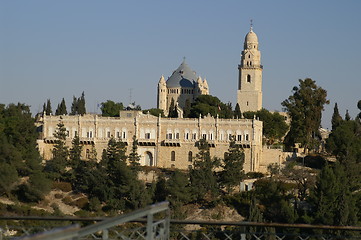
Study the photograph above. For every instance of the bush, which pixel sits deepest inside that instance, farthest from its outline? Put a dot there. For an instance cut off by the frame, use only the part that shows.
(63, 186)
(58, 195)
(67, 200)
(81, 203)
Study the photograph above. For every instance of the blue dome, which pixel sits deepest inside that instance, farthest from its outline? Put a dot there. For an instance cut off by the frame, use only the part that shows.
(184, 76)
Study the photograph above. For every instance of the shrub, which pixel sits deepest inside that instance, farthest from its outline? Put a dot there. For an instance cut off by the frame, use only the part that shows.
(63, 186)
(81, 203)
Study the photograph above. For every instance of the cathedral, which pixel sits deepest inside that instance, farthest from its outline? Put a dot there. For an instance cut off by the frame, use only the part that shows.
(171, 142)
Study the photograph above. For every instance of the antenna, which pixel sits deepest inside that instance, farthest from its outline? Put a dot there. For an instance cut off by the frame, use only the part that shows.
(251, 21)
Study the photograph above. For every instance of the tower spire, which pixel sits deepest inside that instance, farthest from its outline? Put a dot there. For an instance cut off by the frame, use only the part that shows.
(251, 25)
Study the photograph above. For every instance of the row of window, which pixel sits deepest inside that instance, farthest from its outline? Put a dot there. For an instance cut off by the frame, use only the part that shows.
(151, 134)
(190, 156)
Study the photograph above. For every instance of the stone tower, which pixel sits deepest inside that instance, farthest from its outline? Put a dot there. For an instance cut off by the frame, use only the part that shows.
(249, 94)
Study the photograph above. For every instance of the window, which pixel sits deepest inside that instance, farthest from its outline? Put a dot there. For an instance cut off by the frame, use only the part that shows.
(186, 136)
(204, 136)
(87, 155)
(248, 78)
(190, 156)
(169, 136)
(230, 137)
(108, 134)
(194, 136)
(246, 137)
(75, 133)
(147, 135)
(239, 137)
(172, 156)
(210, 136)
(118, 135)
(177, 135)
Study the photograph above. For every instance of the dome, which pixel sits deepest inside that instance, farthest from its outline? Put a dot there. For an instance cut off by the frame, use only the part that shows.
(251, 37)
(184, 76)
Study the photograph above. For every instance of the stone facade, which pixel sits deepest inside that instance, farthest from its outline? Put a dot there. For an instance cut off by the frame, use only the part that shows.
(162, 142)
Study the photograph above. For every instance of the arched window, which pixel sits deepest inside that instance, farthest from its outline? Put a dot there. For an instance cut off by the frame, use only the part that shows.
(248, 78)
(172, 156)
(148, 159)
(190, 156)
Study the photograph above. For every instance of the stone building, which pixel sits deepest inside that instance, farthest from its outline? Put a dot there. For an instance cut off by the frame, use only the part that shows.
(170, 142)
(162, 142)
(181, 86)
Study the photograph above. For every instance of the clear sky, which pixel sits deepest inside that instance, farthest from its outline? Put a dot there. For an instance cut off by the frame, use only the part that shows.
(55, 49)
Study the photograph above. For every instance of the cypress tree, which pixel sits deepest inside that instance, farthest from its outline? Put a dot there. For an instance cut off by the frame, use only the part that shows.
(134, 157)
(81, 105)
(74, 106)
(237, 112)
(61, 109)
(48, 110)
(347, 116)
(336, 118)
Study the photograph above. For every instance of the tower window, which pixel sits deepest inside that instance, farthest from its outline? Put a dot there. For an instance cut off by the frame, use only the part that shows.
(248, 78)
(190, 156)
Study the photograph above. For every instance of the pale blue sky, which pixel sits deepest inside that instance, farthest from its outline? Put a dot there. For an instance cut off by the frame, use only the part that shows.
(54, 49)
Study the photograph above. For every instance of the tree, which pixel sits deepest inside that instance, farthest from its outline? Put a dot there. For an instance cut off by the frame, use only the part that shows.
(81, 104)
(207, 104)
(203, 177)
(134, 157)
(237, 112)
(111, 109)
(305, 108)
(232, 172)
(78, 105)
(347, 116)
(274, 125)
(332, 198)
(187, 108)
(56, 167)
(336, 118)
(8, 178)
(359, 107)
(154, 111)
(61, 109)
(48, 110)
(172, 112)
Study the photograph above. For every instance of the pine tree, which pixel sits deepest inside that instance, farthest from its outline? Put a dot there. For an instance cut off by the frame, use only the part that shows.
(56, 167)
(237, 112)
(134, 157)
(202, 176)
(359, 107)
(336, 118)
(232, 172)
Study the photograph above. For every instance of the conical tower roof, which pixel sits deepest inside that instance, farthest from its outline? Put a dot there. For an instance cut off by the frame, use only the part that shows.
(183, 76)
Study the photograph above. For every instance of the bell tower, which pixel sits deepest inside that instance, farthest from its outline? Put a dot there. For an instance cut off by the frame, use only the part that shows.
(249, 94)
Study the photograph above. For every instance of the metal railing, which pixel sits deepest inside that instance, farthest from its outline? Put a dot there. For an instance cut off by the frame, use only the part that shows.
(154, 228)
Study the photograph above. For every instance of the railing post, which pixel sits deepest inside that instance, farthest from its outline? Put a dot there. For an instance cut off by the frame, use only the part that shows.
(105, 235)
(149, 226)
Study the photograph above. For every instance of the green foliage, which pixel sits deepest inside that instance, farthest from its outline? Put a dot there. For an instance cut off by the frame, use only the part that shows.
(275, 196)
(134, 157)
(8, 178)
(172, 112)
(274, 125)
(111, 109)
(237, 112)
(61, 109)
(178, 188)
(48, 110)
(56, 167)
(18, 139)
(305, 108)
(155, 112)
(78, 105)
(336, 118)
(205, 104)
(347, 116)
(232, 173)
(203, 177)
(36, 188)
(332, 198)
(187, 108)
